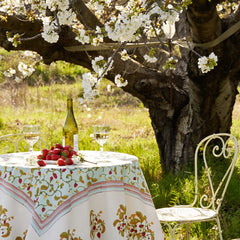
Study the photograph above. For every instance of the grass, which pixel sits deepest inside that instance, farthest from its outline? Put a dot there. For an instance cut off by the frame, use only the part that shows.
(131, 132)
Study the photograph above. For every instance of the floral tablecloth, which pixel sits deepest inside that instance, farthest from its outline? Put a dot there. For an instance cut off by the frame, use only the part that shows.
(105, 199)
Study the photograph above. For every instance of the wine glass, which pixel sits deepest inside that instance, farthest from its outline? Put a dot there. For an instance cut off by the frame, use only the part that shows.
(101, 133)
(31, 134)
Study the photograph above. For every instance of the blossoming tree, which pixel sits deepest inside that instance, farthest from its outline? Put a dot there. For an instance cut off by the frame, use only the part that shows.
(180, 58)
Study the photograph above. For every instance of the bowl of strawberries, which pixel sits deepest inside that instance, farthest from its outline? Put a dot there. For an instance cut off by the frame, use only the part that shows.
(57, 154)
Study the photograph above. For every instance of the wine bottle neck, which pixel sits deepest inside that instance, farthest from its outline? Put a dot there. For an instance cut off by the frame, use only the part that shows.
(69, 104)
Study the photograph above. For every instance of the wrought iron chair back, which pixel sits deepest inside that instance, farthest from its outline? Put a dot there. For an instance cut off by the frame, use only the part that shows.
(210, 188)
(223, 147)
(16, 143)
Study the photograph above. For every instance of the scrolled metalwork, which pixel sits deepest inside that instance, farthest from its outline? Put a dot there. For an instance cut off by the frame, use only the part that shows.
(226, 149)
(205, 198)
(12, 143)
(172, 229)
(205, 206)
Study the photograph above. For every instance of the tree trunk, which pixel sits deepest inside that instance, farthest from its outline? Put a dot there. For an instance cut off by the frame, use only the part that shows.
(208, 111)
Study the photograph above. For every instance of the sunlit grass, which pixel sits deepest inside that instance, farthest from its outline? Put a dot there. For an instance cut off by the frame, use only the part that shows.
(131, 130)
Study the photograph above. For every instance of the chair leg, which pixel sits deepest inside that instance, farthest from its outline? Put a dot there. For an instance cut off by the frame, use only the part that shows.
(219, 228)
(172, 230)
(188, 235)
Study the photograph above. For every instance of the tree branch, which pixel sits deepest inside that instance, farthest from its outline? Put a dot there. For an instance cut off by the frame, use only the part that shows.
(84, 15)
(204, 21)
(17, 23)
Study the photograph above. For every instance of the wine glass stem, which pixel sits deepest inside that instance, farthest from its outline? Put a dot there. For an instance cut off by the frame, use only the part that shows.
(101, 148)
(31, 148)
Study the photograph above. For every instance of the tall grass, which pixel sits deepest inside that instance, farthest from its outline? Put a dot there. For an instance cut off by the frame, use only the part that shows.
(131, 130)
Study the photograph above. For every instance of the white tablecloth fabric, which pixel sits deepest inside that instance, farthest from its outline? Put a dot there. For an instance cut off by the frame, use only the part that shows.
(109, 200)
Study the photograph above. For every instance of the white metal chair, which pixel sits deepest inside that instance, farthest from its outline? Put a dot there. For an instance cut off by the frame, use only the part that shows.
(16, 143)
(205, 206)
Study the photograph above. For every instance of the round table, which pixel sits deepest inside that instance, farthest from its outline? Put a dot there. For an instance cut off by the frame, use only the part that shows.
(105, 197)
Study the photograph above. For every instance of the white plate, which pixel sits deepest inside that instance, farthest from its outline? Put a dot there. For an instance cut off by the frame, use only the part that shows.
(50, 162)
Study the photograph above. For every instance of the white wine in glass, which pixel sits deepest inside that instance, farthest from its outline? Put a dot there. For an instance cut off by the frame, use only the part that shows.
(31, 134)
(101, 134)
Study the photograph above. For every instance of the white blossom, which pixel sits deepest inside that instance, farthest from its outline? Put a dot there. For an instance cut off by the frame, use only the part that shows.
(29, 54)
(9, 73)
(207, 63)
(169, 14)
(82, 37)
(119, 81)
(124, 55)
(219, 7)
(88, 81)
(49, 30)
(168, 28)
(97, 40)
(124, 28)
(66, 17)
(170, 63)
(150, 59)
(25, 69)
(89, 77)
(109, 88)
(98, 5)
(53, 5)
(99, 65)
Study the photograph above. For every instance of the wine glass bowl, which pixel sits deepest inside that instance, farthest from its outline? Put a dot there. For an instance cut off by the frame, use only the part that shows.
(101, 134)
(31, 134)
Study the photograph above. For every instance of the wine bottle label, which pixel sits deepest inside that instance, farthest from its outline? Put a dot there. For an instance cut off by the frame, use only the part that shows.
(75, 142)
(63, 142)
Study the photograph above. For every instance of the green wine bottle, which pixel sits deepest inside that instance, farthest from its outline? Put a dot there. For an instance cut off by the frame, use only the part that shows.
(70, 128)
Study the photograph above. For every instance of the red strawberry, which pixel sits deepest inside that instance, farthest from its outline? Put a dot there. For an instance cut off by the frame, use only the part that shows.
(56, 150)
(61, 162)
(52, 148)
(65, 153)
(75, 153)
(41, 163)
(69, 161)
(67, 147)
(40, 156)
(71, 153)
(55, 156)
(45, 152)
(58, 145)
(48, 157)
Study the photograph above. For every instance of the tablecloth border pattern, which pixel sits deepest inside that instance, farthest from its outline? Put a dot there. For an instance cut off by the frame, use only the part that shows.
(41, 226)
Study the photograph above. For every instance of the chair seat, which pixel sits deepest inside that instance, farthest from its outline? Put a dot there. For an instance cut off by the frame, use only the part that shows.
(185, 214)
